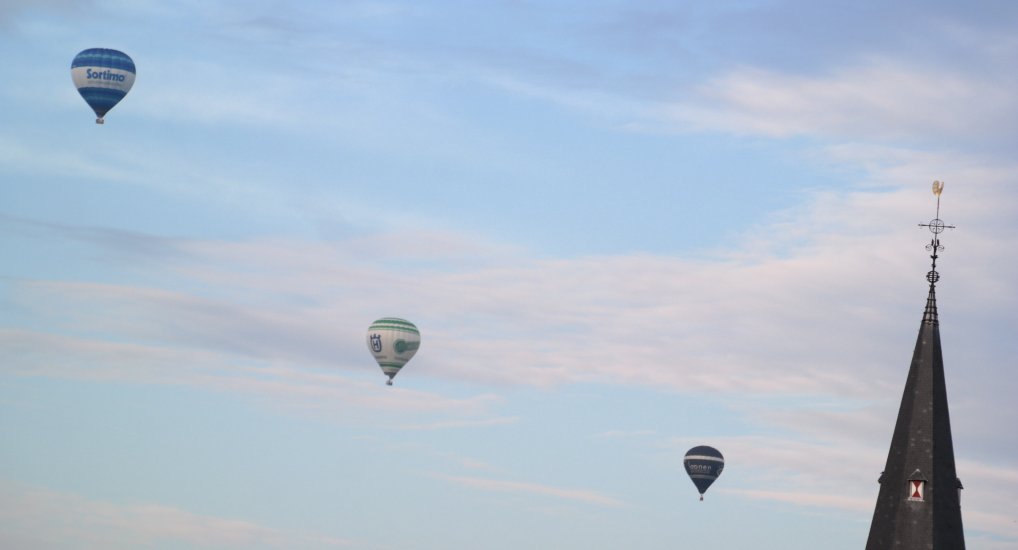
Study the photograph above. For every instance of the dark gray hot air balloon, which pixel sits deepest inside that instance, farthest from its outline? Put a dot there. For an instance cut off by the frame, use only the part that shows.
(704, 465)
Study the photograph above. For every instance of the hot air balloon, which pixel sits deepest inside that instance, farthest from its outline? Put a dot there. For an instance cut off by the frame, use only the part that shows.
(704, 465)
(393, 342)
(103, 77)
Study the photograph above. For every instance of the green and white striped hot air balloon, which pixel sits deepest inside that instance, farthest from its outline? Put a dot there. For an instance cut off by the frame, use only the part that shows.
(393, 342)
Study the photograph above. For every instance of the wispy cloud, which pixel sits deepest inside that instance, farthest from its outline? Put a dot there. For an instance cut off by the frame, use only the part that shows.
(321, 390)
(12, 9)
(612, 434)
(505, 486)
(33, 517)
(803, 328)
(838, 469)
(855, 504)
(457, 424)
(904, 96)
(229, 94)
(770, 318)
(878, 99)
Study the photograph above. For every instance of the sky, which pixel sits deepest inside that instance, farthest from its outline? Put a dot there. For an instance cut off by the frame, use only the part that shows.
(624, 229)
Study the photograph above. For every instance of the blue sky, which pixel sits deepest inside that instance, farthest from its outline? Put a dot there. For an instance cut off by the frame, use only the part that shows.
(623, 228)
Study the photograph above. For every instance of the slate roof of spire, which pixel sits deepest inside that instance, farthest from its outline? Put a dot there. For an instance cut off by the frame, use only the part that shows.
(921, 442)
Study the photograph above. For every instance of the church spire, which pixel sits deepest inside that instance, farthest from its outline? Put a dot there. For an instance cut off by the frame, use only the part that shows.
(918, 506)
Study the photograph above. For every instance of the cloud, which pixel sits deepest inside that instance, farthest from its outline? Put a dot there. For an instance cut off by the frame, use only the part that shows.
(10, 10)
(612, 434)
(819, 309)
(33, 517)
(957, 92)
(837, 468)
(21, 159)
(780, 315)
(456, 424)
(816, 307)
(314, 390)
(876, 99)
(819, 303)
(504, 486)
(855, 504)
(130, 166)
(978, 523)
(229, 94)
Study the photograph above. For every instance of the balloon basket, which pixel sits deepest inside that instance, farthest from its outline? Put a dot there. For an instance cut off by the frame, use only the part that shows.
(100, 121)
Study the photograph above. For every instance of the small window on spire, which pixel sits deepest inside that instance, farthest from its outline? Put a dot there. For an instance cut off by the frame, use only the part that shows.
(917, 486)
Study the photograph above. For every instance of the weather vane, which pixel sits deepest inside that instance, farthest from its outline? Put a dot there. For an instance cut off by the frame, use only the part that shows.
(936, 227)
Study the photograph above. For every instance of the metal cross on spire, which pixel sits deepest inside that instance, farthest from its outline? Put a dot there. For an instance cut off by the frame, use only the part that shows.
(936, 227)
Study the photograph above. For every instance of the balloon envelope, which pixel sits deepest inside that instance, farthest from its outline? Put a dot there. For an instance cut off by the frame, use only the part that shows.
(704, 465)
(103, 77)
(393, 342)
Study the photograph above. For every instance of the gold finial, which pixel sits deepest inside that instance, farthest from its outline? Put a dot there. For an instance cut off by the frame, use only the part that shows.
(938, 188)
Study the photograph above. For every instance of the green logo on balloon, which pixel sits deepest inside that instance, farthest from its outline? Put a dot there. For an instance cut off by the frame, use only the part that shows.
(402, 346)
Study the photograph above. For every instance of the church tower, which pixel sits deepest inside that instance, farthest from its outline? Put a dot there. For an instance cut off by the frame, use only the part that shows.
(919, 504)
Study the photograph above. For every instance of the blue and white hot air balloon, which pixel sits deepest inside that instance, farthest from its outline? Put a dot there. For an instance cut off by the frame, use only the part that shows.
(103, 77)
(704, 465)
(393, 342)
